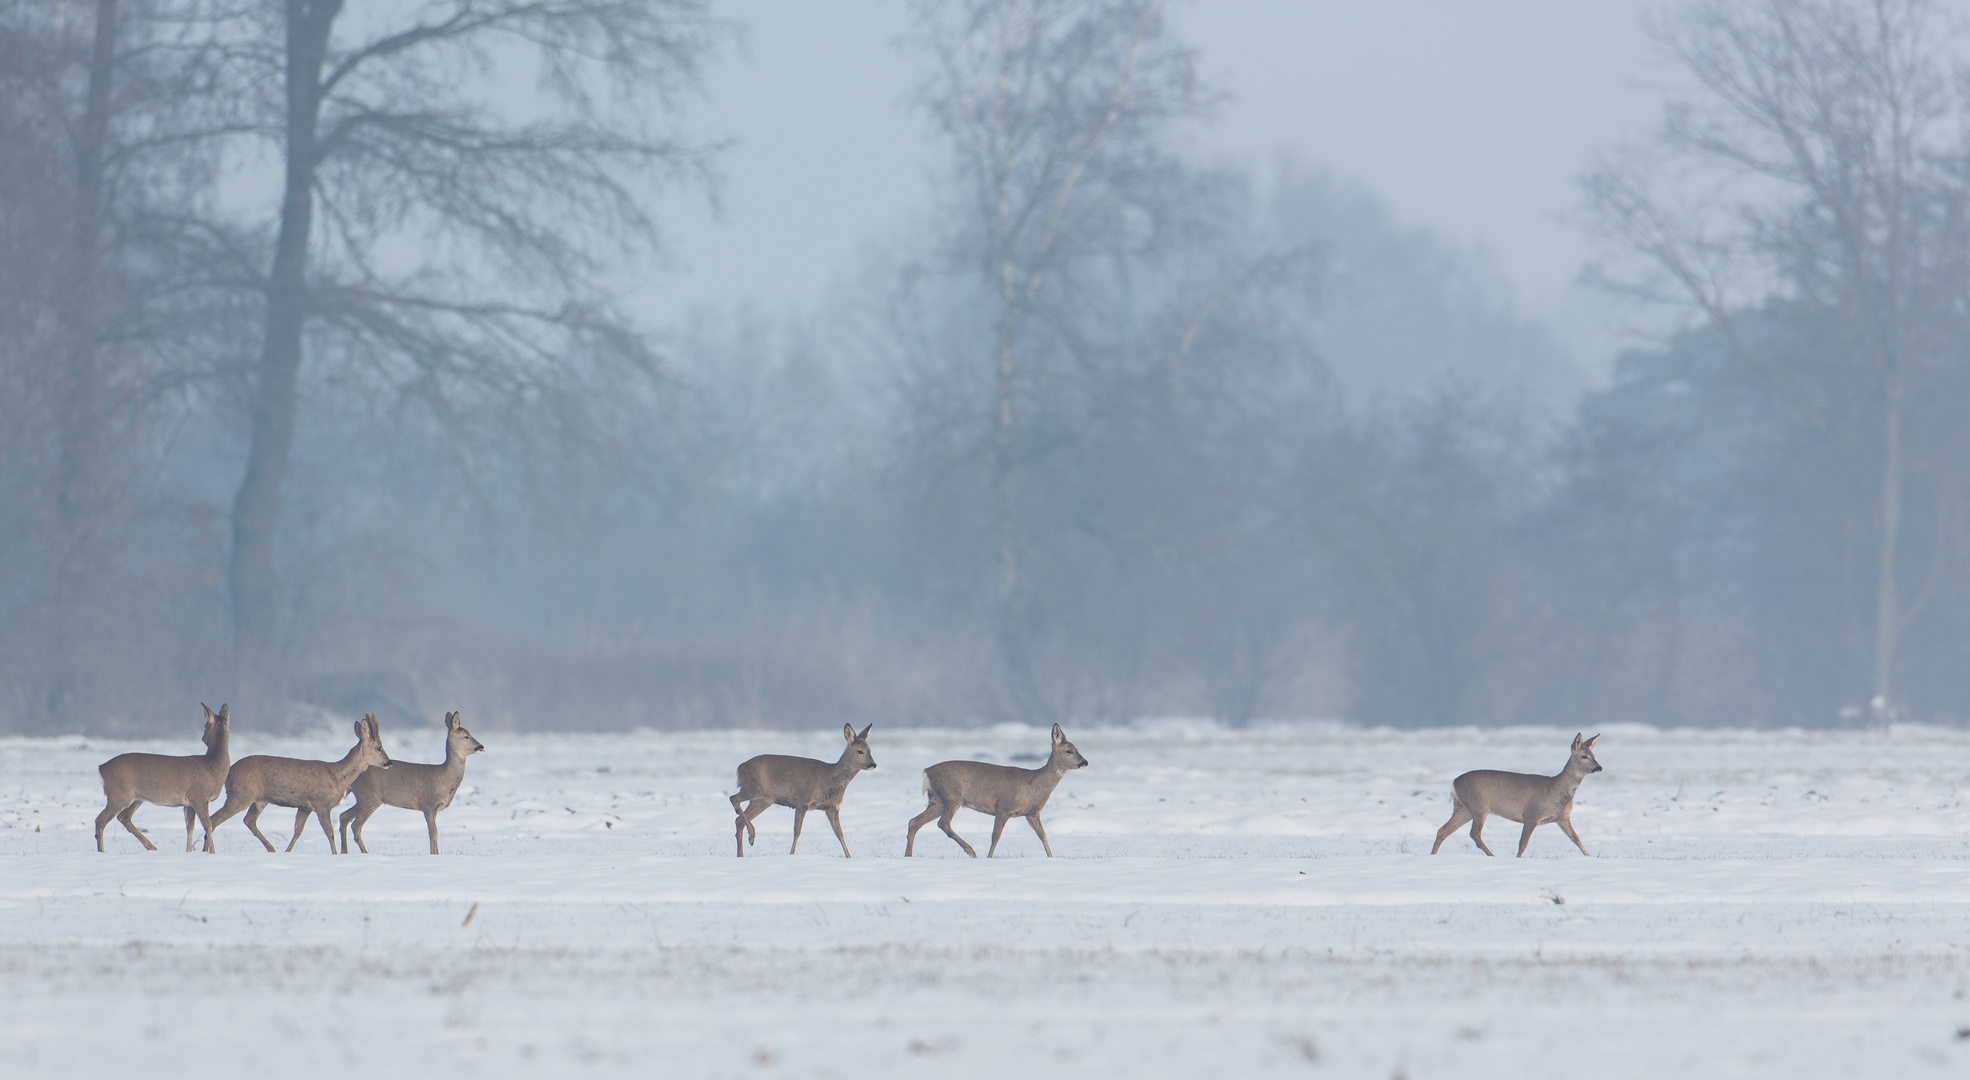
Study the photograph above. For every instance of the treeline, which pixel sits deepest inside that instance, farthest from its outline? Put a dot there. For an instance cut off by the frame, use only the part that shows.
(314, 395)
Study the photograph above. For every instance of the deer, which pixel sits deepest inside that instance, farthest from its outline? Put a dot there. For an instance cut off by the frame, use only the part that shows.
(311, 787)
(412, 785)
(131, 780)
(1527, 798)
(805, 784)
(1003, 791)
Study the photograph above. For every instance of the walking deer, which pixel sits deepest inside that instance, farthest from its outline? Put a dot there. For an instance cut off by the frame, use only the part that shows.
(131, 780)
(1527, 798)
(310, 787)
(412, 785)
(803, 783)
(1003, 791)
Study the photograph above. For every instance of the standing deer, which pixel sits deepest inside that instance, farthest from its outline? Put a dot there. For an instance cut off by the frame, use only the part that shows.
(412, 785)
(803, 783)
(311, 787)
(1003, 791)
(130, 780)
(1528, 798)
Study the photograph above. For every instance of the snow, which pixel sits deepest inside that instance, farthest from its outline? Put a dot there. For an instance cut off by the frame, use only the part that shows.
(1248, 903)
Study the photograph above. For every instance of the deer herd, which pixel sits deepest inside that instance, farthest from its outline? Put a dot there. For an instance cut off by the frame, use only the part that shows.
(251, 784)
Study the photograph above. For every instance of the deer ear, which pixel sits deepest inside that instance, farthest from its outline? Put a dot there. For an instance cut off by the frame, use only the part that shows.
(361, 730)
(1589, 744)
(848, 732)
(451, 720)
(209, 717)
(1059, 736)
(225, 714)
(1576, 740)
(865, 730)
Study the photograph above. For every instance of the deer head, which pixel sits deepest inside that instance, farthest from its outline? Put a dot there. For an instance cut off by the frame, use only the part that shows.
(1583, 755)
(217, 725)
(369, 743)
(1064, 753)
(458, 740)
(858, 746)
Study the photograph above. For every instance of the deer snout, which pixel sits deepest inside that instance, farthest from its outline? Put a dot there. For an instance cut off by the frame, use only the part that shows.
(1597, 766)
(871, 764)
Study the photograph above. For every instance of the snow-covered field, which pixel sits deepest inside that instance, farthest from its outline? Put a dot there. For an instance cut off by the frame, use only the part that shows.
(1224, 904)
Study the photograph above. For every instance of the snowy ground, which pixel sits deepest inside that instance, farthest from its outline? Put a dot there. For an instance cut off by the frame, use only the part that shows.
(1224, 904)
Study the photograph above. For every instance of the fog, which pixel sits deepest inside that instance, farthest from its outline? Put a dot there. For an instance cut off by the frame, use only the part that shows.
(676, 365)
(1470, 123)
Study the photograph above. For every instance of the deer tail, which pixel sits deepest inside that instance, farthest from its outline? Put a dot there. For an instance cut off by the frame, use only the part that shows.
(926, 781)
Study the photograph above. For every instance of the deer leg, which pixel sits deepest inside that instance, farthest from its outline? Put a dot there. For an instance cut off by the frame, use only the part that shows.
(431, 824)
(205, 819)
(998, 826)
(217, 818)
(347, 816)
(918, 822)
(127, 818)
(326, 829)
(944, 823)
(102, 821)
(1033, 819)
(1566, 826)
(737, 799)
(1458, 816)
(1477, 833)
(799, 815)
(220, 816)
(300, 822)
(743, 825)
(253, 823)
(1525, 835)
(752, 835)
(834, 818)
(191, 819)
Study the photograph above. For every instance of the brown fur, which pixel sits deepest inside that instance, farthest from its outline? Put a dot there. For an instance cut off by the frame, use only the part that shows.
(802, 783)
(1527, 798)
(412, 786)
(1002, 791)
(131, 780)
(311, 787)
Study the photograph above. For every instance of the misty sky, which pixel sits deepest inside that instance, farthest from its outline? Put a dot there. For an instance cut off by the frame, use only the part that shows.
(1472, 119)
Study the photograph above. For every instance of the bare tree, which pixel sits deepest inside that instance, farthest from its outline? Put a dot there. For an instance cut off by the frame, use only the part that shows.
(121, 97)
(394, 128)
(1056, 116)
(33, 202)
(59, 69)
(78, 479)
(1821, 161)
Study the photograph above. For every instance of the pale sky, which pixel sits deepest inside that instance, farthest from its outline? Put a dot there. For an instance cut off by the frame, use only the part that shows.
(1472, 119)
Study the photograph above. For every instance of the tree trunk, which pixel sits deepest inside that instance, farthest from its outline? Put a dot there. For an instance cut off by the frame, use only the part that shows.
(79, 464)
(256, 508)
(1887, 599)
(1012, 610)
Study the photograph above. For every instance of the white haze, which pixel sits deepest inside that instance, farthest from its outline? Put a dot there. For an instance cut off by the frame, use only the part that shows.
(1471, 122)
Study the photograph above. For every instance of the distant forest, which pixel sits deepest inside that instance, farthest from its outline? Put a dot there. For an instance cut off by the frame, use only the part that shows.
(315, 393)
